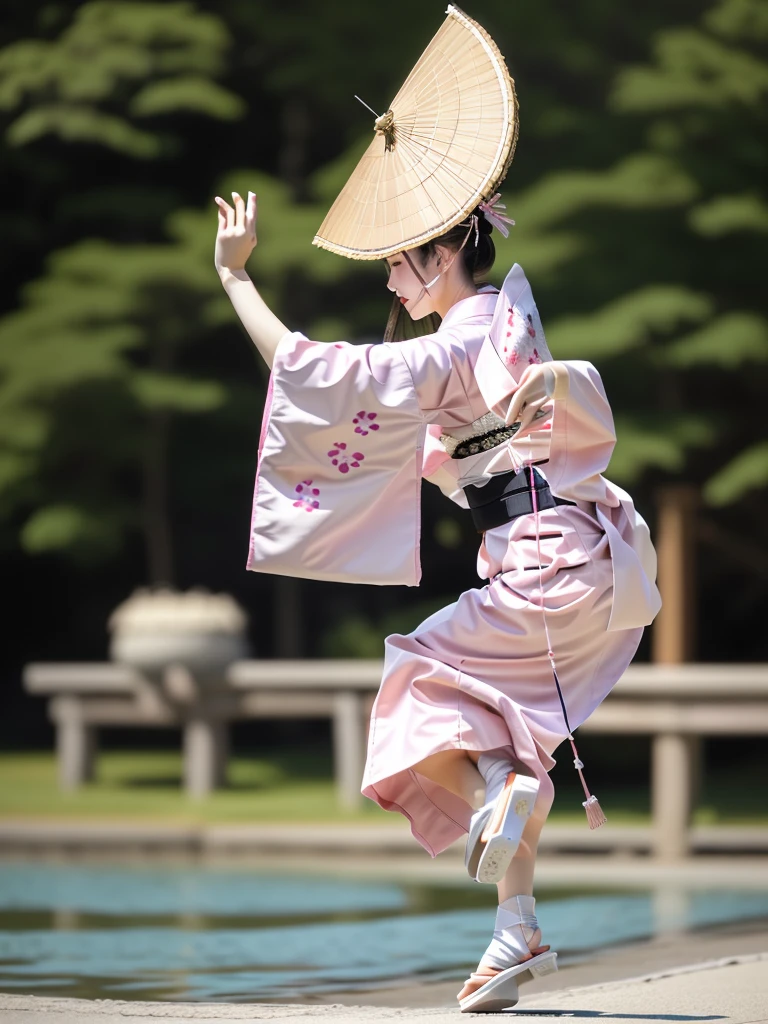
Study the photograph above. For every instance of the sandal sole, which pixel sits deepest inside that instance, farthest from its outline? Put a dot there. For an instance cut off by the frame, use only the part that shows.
(502, 844)
(500, 993)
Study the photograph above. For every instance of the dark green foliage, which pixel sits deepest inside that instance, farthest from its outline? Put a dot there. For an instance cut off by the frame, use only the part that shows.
(684, 250)
(129, 402)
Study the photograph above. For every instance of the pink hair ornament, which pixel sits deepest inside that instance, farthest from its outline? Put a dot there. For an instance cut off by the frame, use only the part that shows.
(492, 209)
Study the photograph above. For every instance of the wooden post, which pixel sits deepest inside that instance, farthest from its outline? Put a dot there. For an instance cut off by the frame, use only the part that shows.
(287, 631)
(673, 629)
(348, 753)
(675, 759)
(75, 743)
(670, 795)
(204, 743)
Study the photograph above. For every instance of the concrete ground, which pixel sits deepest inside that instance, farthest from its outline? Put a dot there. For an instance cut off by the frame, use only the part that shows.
(694, 978)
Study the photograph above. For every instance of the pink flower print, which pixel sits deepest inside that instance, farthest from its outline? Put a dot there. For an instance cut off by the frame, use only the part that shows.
(364, 422)
(308, 496)
(532, 330)
(535, 358)
(341, 460)
(510, 354)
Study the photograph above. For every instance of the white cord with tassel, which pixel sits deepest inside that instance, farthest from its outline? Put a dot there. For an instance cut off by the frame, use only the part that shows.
(595, 816)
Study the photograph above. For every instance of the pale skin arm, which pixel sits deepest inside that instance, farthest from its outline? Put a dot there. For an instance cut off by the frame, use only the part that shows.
(235, 241)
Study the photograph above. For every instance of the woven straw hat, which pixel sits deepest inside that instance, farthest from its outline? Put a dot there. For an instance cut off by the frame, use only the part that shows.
(442, 147)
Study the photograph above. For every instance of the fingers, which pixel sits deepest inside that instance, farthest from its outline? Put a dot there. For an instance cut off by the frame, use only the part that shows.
(530, 396)
(237, 199)
(526, 406)
(241, 217)
(250, 214)
(520, 400)
(513, 413)
(227, 211)
(533, 412)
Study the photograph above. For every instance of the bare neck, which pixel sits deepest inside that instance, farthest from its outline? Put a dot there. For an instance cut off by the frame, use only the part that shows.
(454, 292)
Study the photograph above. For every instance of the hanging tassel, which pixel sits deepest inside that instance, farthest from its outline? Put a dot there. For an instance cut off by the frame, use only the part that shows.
(595, 816)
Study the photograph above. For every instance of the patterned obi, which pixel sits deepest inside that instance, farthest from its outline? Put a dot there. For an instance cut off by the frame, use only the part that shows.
(487, 432)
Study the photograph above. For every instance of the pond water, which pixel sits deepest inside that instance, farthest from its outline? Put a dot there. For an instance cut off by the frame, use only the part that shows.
(230, 934)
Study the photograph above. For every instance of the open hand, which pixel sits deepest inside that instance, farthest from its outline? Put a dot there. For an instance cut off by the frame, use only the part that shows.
(236, 237)
(533, 393)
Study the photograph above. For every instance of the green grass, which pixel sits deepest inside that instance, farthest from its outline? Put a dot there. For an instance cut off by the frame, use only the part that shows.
(147, 786)
(292, 786)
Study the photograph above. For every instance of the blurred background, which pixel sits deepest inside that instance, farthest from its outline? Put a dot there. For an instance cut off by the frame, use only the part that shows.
(130, 409)
(130, 399)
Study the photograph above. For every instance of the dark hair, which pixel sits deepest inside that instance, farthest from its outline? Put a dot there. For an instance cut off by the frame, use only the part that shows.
(478, 254)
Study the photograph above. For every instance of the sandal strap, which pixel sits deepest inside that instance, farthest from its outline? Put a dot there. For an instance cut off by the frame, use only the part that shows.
(516, 933)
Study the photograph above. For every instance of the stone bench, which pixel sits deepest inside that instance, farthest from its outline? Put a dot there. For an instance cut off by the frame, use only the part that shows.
(676, 705)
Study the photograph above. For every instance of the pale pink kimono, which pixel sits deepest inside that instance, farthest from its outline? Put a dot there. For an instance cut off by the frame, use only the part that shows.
(348, 433)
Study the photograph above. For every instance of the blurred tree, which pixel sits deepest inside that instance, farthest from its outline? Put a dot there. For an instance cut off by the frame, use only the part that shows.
(89, 367)
(121, 351)
(93, 95)
(90, 379)
(661, 256)
(117, 63)
(105, 351)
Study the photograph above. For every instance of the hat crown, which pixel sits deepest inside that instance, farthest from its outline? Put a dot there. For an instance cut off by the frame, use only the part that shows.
(442, 147)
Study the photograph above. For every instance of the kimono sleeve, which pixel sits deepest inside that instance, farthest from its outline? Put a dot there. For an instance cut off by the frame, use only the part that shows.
(443, 377)
(583, 436)
(578, 443)
(339, 471)
(583, 439)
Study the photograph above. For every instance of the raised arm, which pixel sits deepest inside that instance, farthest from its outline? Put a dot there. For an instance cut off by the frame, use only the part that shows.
(235, 241)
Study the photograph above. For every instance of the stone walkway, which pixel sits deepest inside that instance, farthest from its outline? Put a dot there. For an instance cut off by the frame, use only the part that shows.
(732, 990)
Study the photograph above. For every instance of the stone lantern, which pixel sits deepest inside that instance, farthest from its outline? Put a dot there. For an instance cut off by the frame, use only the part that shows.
(182, 643)
(155, 629)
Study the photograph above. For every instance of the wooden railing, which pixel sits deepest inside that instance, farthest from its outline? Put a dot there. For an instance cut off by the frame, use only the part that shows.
(676, 705)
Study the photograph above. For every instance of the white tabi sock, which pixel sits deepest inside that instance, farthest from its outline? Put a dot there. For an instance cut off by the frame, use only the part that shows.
(494, 770)
(516, 933)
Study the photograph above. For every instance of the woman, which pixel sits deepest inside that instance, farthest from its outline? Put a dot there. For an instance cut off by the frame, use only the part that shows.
(469, 712)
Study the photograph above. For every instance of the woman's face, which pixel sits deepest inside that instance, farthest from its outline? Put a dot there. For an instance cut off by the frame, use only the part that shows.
(406, 285)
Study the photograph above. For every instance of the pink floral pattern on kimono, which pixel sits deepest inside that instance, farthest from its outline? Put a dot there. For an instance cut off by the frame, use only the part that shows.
(316, 391)
(523, 336)
(365, 422)
(307, 496)
(342, 460)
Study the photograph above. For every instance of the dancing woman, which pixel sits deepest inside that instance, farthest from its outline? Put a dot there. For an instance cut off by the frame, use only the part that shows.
(474, 701)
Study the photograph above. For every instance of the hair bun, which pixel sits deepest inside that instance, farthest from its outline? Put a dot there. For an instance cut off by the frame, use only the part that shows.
(485, 225)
